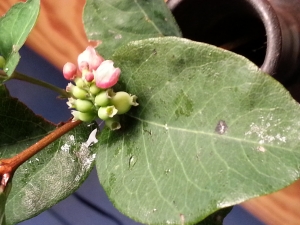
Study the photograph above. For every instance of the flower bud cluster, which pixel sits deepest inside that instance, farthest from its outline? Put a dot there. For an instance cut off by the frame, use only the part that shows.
(91, 92)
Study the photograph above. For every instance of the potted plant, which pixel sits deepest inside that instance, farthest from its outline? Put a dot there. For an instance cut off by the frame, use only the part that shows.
(207, 134)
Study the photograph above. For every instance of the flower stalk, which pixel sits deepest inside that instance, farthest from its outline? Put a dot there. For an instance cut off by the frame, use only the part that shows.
(19, 76)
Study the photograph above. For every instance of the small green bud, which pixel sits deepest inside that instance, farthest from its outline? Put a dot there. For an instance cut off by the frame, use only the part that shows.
(84, 105)
(113, 123)
(2, 62)
(123, 101)
(107, 112)
(79, 82)
(102, 99)
(79, 93)
(94, 90)
(85, 117)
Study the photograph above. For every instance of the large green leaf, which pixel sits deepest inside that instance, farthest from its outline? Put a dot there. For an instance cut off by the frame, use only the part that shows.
(49, 176)
(4, 192)
(211, 131)
(117, 22)
(15, 26)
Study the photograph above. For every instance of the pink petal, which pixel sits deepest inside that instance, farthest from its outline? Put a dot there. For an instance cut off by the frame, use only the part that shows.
(89, 57)
(106, 75)
(83, 66)
(95, 62)
(89, 76)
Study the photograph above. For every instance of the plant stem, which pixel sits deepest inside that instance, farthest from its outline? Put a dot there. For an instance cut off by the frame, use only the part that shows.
(9, 166)
(23, 77)
(3, 74)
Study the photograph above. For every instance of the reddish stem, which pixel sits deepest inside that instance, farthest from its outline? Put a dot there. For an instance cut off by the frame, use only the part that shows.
(9, 166)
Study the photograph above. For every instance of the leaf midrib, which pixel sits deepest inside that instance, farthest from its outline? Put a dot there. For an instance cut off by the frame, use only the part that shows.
(146, 16)
(239, 140)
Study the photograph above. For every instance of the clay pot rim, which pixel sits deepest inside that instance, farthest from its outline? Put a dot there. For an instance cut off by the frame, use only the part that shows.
(267, 14)
(274, 39)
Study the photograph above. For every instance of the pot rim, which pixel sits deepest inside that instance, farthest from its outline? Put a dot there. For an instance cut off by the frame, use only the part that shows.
(273, 32)
(266, 13)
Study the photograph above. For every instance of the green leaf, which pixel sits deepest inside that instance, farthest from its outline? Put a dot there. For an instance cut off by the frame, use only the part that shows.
(211, 131)
(52, 174)
(116, 22)
(18, 122)
(15, 26)
(4, 192)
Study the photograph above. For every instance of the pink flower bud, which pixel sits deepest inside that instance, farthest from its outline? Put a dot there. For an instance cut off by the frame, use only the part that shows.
(69, 71)
(89, 57)
(89, 77)
(83, 66)
(106, 75)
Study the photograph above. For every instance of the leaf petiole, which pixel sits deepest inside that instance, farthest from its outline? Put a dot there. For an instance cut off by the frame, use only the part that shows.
(19, 76)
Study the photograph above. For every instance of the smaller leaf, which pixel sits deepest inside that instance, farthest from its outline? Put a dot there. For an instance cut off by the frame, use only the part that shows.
(52, 174)
(4, 192)
(15, 26)
(18, 123)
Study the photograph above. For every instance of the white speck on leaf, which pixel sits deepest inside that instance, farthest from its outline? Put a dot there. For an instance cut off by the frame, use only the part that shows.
(77, 178)
(264, 131)
(65, 148)
(72, 138)
(260, 149)
(182, 219)
(221, 127)
(15, 48)
(280, 138)
(118, 36)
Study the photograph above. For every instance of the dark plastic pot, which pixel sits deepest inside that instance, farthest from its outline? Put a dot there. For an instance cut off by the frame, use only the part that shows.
(266, 32)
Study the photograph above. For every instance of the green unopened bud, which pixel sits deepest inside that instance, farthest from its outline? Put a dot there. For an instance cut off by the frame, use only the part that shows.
(79, 93)
(123, 101)
(113, 123)
(84, 105)
(85, 117)
(79, 82)
(102, 99)
(2, 62)
(107, 112)
(94, 90)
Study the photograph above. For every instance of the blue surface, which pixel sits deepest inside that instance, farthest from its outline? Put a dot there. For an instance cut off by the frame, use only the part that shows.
(71, 210)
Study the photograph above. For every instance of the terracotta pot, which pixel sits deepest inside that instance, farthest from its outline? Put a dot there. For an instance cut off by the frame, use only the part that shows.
(266, 32)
